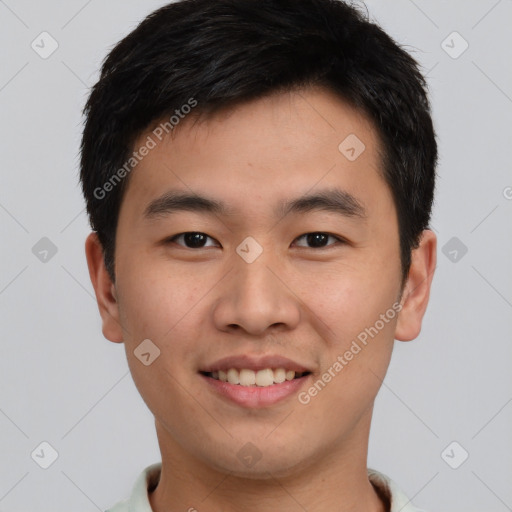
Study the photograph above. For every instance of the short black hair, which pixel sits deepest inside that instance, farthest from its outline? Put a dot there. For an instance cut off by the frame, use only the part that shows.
(222, 53)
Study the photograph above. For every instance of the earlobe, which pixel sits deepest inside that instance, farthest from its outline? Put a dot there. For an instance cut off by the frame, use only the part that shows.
(104, 289)
(417, 288)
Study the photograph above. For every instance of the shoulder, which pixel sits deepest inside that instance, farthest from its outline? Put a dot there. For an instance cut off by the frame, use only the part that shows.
(399, 502)
(139, 500)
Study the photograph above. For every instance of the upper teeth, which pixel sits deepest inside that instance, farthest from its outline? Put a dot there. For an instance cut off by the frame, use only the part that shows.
(246, 377)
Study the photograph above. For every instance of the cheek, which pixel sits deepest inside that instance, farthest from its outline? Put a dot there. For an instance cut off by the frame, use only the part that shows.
(348, 301)
(356, 357)
(154, 299)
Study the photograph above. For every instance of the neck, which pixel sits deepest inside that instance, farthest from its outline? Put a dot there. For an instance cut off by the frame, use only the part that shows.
(337, 480)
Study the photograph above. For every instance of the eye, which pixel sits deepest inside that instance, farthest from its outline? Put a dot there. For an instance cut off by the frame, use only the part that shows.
(319, 239)
(197, 240)
(192, 239)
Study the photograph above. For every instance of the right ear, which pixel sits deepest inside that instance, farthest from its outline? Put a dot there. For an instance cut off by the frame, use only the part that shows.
(104, 289)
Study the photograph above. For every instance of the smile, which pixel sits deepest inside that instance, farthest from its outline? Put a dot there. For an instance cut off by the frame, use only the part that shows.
(248, 393)
(261, 378)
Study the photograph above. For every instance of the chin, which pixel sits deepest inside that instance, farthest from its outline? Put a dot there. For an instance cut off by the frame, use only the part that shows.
(255, 464)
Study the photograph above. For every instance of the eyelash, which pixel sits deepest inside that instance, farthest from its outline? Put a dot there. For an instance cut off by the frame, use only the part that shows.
(337, 238)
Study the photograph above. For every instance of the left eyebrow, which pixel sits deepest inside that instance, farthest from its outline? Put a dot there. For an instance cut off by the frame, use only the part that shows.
(331, 199)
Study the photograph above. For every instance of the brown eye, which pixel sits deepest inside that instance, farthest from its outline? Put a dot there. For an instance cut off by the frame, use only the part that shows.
(318, 240)
(192, 239)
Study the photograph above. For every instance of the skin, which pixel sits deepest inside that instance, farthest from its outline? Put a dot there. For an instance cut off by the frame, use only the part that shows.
(303, 302)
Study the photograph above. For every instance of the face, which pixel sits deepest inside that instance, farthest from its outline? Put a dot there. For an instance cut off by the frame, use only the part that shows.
(289, 263)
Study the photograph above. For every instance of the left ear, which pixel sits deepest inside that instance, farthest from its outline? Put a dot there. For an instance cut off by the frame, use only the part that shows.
(417, 288)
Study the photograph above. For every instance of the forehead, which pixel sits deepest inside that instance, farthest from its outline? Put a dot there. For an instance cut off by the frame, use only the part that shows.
(280, 146)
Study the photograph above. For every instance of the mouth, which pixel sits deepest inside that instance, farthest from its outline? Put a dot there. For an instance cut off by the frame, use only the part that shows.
(250, 378)
(255, 381)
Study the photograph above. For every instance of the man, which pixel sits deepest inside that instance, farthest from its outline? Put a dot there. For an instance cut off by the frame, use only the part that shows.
(259, 177)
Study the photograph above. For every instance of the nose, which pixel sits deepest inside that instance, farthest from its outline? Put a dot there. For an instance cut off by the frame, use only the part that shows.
(255, 298)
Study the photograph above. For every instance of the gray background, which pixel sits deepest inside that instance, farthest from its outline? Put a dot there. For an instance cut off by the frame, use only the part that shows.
(63, 383)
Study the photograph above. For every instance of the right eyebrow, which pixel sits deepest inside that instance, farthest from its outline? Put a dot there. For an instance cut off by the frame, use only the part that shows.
(173, 201)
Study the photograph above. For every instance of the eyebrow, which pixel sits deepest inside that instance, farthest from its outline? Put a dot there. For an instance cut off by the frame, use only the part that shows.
(331, 199)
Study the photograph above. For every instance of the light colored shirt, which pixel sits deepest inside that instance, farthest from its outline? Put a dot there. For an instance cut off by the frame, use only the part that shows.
(148, 480)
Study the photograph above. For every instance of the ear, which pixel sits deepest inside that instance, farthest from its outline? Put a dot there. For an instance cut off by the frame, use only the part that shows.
(104, 289)
(417, 288)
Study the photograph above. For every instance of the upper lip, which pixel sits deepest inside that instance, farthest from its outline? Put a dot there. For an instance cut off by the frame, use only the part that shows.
(255, 363)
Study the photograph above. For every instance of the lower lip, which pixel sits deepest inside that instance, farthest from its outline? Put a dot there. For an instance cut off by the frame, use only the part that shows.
(256, 396)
